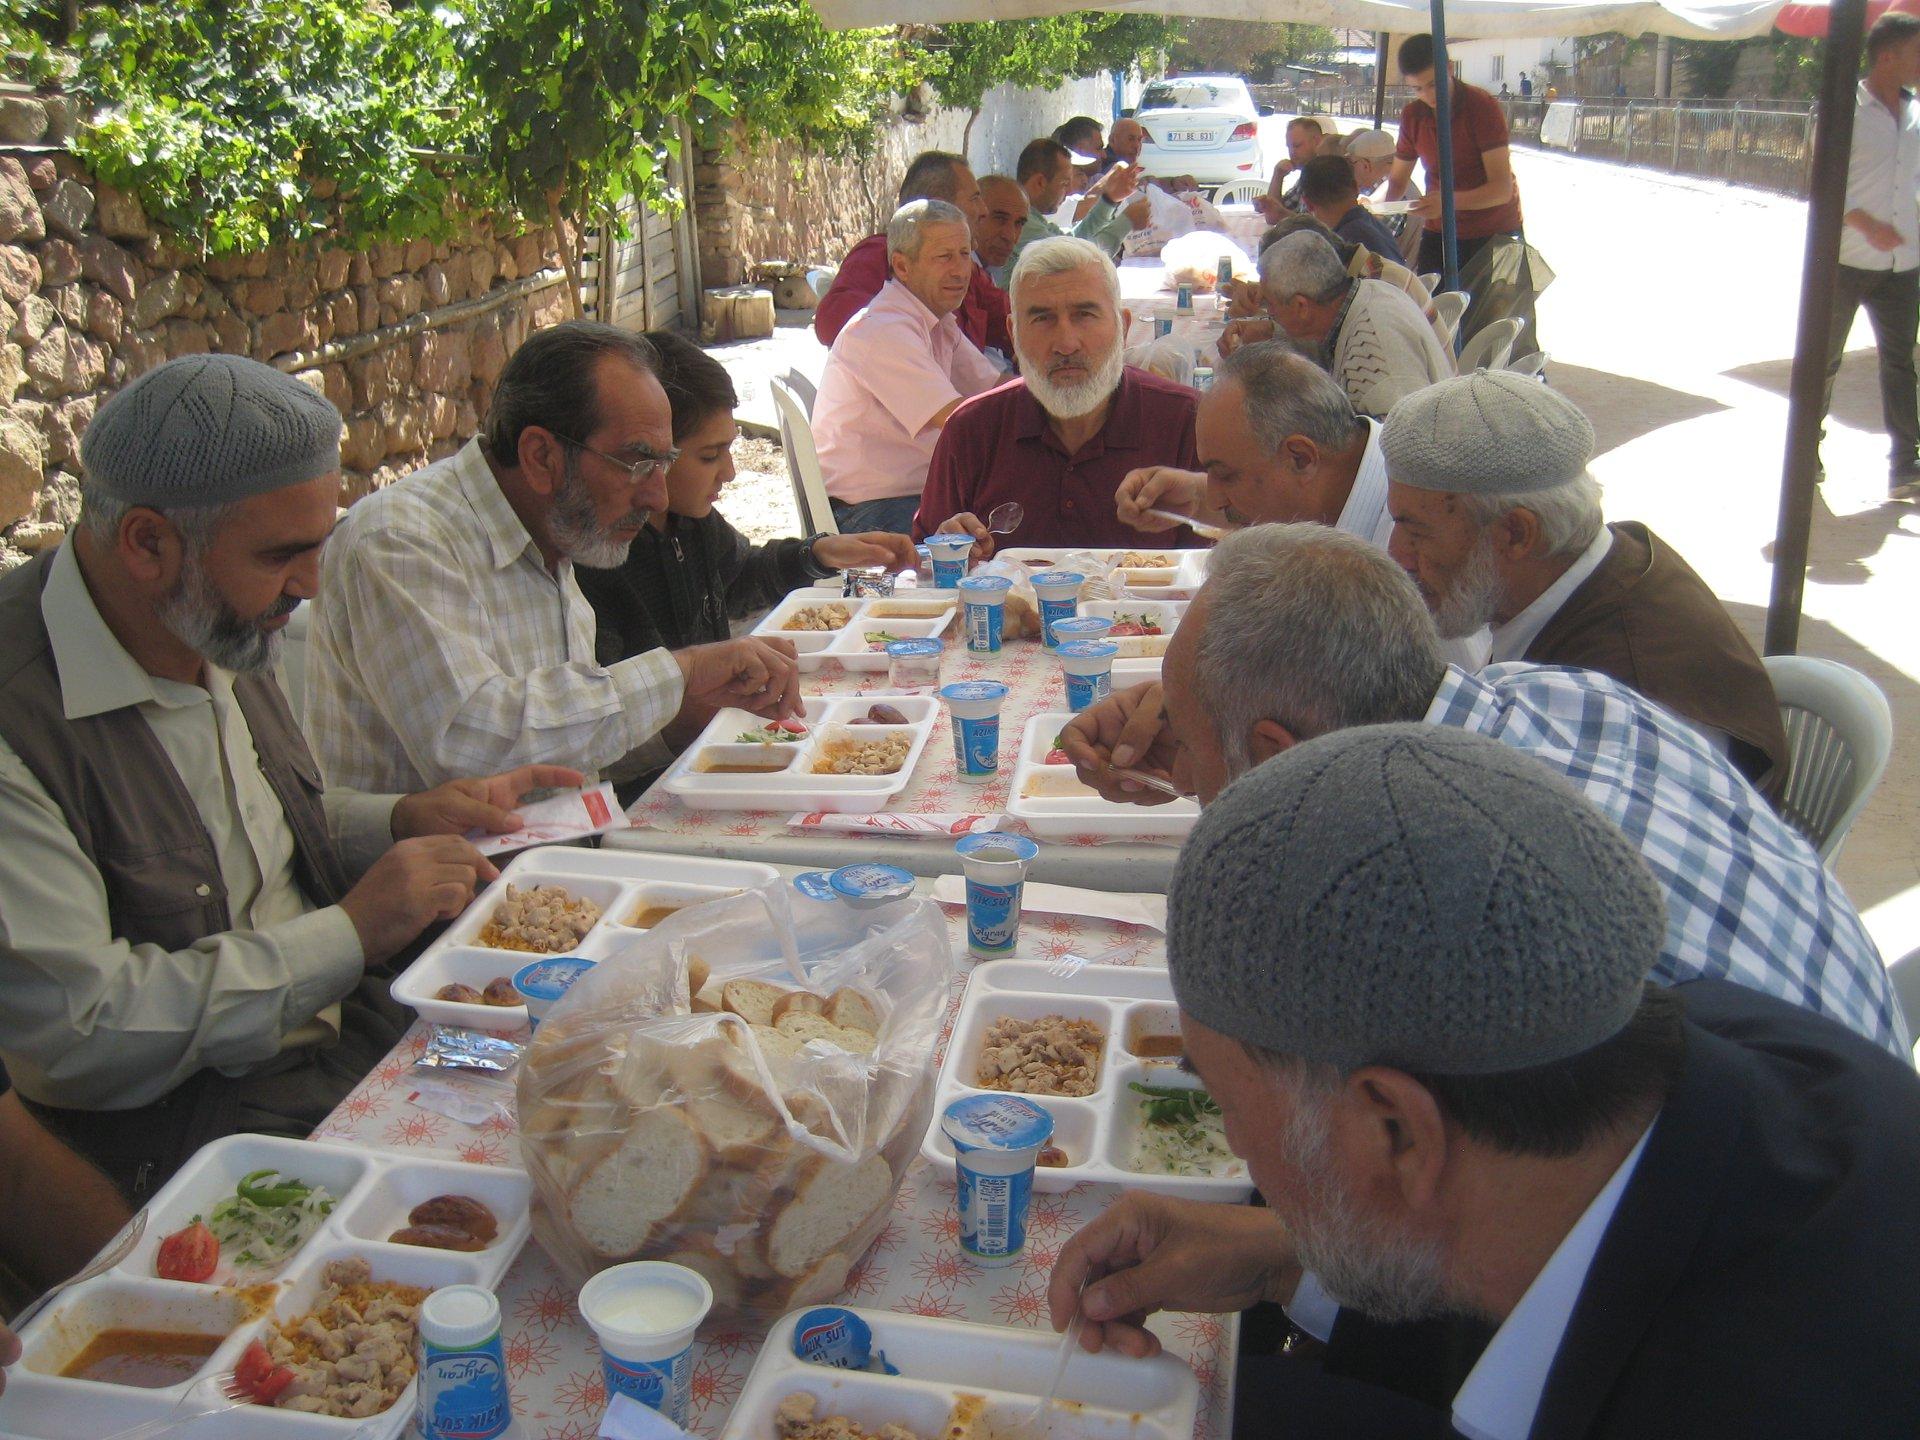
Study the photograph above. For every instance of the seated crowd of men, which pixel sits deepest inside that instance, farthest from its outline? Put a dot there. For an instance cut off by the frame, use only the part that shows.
(1566, 1067)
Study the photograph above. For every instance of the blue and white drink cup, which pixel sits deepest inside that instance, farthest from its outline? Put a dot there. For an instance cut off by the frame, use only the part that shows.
(1089, 669)
(913, 666)
(1059, 594)
(948, 554)
(985, 597)
(463, 1392)
(542, 983)
(996, 865)
(644, 1315)
(868, 885)
(974, 707)
(997, 1140)
(1080, 627)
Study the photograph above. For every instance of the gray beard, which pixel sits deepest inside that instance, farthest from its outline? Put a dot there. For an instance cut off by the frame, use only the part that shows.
(1475, 595)
(1070, 402)
(205, 623)
(577, 531)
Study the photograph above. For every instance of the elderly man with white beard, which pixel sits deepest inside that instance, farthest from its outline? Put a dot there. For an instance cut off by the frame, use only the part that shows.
(1060, 439)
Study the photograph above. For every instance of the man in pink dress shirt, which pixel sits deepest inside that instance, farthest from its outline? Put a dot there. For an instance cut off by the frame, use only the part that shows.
(897, 371)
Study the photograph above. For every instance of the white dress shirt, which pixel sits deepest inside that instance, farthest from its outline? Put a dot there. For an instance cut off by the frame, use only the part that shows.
(1365, 513)
(442, 647)
(1502, 1394)
(1883, 179)
(1510, 641)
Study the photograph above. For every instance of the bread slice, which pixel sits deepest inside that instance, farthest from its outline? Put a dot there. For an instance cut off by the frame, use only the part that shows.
(697, 972)
(822, 1283)
(736, 1129)
(852, 1009)
(752, 1000)
(829, 1203)
(715, 1267)
(804, 1027)
(644, 1182)
(798, 1002)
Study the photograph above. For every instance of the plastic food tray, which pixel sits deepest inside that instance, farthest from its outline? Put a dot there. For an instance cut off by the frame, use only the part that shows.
(1066, 807)
(797, 787)
(1178, 581)
(620, 882)
(906, 615)
(1131, 666)
(1101, 1397)
(1099, 1131)
(373, 1193)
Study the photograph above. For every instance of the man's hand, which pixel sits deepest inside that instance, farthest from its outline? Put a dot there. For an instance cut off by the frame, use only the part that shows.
(1879, 234)
(1128, 729)
(460, 807)
(752, 673)
(1244, 332)
(869, 547)
(967, 523)
(418, 881)
(1147, 1253)
(1270, 208)
(1120, 182)
(1159, 487)
(1427, 207)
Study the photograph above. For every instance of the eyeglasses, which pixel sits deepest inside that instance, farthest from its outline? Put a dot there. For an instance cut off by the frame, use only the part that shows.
(652, 462)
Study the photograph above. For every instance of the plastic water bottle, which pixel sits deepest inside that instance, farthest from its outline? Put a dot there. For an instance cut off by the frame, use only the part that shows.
(1202, 371)
(463, 1371)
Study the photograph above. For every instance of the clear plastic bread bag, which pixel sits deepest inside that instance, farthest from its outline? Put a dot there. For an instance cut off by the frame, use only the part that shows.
(740, 1090)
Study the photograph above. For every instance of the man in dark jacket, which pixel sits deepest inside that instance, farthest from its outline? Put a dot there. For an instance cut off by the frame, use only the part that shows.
(1665, 1213)
(1332, 197)
(1498, 521)
(690, 573)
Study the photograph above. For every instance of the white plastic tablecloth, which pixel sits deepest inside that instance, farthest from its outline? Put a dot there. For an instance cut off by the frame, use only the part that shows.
(914, 1266)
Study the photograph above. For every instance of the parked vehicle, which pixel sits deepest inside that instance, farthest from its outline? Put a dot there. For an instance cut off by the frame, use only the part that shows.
(1206, 126)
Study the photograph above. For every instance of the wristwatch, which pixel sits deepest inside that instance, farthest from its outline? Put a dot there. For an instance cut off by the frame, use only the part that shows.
(814, 568)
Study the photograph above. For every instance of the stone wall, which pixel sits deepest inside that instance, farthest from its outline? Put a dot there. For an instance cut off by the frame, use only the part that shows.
(406, 340)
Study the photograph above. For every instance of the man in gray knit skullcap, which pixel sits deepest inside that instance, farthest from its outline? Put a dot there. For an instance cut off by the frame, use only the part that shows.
(186, 918)
(1409, 963)
(1497, 518)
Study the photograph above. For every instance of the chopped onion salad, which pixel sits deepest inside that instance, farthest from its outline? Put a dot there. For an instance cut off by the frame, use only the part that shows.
(267, 1218)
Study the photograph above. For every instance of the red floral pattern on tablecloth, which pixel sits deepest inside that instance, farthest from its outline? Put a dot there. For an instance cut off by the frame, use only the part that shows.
(913, 1267)
(1034, 685)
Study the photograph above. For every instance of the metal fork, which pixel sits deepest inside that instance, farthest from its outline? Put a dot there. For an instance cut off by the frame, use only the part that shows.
(116, 1252)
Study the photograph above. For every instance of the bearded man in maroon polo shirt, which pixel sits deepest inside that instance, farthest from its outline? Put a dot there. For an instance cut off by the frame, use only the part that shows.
(1062, 438)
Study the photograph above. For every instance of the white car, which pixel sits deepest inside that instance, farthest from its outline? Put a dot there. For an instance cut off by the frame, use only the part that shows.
(1206, 126)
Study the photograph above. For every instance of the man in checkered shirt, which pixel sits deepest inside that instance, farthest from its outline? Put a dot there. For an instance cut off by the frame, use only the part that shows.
(1302, 630)
(450, 635)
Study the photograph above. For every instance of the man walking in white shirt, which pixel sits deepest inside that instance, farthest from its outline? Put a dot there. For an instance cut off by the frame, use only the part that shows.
(1880, 240)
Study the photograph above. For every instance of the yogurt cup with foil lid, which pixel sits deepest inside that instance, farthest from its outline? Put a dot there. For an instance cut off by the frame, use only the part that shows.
(996, 1142)
(542, 983)
(1080, 628)
(868, 884)
(815, 885)
(831, 1335)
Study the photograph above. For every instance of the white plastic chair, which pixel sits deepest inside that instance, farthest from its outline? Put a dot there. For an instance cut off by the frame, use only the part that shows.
(803, 461)
(1449, 306)
(1492, 347)
(803, 390)
(1529, 364)
(1239, 192)
(1432, 282)
(1839, 735)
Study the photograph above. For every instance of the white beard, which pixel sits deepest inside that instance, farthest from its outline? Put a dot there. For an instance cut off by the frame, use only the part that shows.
(1070, 402)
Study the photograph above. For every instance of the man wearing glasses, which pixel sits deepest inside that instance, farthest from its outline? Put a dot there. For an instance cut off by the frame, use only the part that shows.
(449, 624)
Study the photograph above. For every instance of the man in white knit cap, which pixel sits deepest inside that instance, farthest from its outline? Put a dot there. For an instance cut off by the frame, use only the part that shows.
(1374, 340)
(187, 921)
(1498, 520)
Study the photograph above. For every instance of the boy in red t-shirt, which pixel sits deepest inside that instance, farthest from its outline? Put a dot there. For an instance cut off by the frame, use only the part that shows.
(1486, 198)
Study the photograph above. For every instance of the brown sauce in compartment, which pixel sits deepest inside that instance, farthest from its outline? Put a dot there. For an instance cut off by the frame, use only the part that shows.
(739, 768)
(145, 1359)
(1158, 1047)
(647, 916)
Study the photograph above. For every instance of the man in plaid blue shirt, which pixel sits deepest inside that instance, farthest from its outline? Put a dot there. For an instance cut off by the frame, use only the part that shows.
(1302, 630)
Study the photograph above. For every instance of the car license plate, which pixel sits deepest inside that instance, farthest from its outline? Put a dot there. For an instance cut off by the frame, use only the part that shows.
(1204, 137)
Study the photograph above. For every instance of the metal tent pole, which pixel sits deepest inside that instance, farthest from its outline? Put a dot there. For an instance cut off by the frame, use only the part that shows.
(1380, 40)
(1827, 200)
(1443, 117)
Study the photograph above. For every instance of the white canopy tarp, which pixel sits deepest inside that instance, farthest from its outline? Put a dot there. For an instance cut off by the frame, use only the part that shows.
(1466, 19)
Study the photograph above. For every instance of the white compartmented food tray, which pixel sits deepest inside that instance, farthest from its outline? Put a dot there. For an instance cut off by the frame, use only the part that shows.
(1052, 802)
(1099, 1131)
(620, 882)
(372, 1192)
(1179, 579)
(797, 786)
(1101, 1397)
(912, 614)
(1140, 656)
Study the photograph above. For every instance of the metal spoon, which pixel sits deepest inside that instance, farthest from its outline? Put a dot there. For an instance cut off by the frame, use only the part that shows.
(110, 1257)
(1005, 519)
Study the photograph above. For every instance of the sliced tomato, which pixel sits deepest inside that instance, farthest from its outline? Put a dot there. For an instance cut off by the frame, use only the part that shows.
(792, 727)
(1057, 757)
(189, 1254)
(259, 1377)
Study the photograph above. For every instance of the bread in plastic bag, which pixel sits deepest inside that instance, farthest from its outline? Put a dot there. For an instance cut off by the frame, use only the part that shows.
(739, 1090)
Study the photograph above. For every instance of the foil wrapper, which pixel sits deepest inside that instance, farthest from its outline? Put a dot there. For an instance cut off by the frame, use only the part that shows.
(453, 1048)
(866, 583)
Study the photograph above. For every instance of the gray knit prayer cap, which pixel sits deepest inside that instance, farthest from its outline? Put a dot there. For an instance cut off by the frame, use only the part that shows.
(1490, 433)
(209, 430)
(1415, 896)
